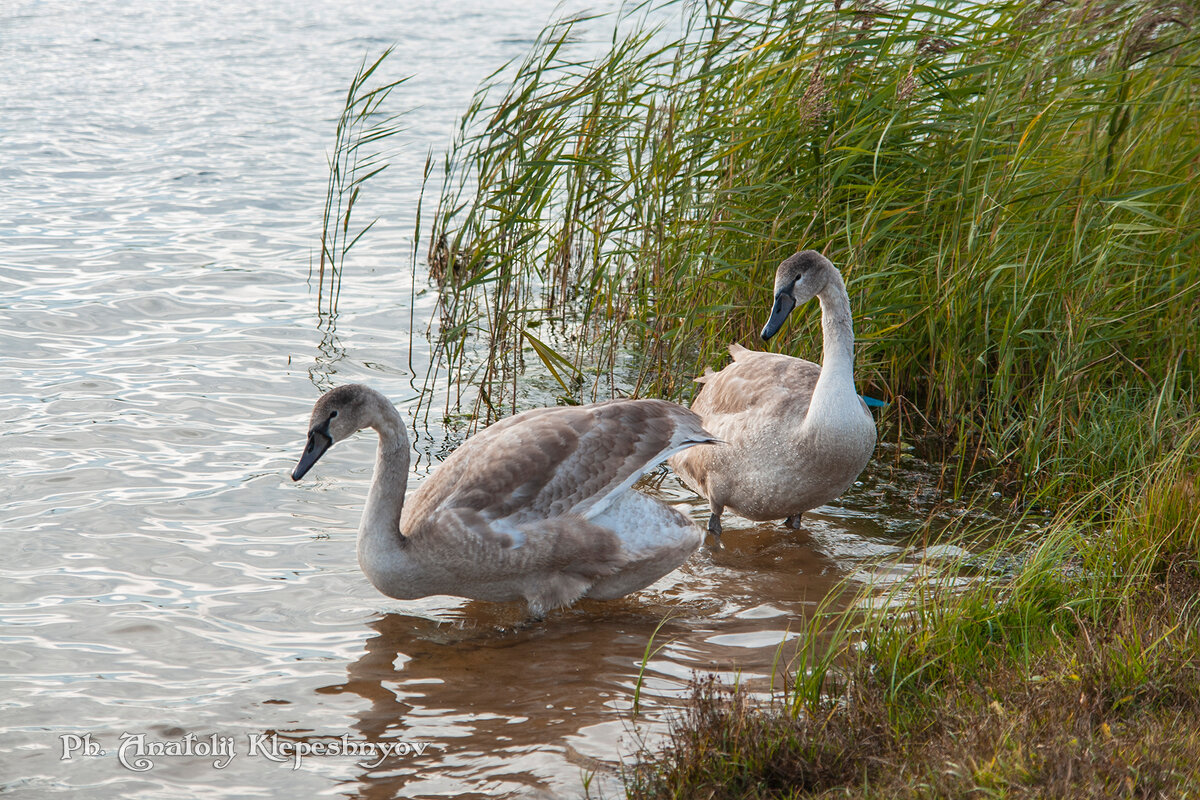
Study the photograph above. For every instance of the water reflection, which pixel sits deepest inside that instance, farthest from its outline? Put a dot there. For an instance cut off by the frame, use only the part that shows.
(330, 353)
(499, 699)
(482, 690)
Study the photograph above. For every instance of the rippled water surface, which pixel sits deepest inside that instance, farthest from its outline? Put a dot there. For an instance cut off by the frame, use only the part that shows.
(162, 174)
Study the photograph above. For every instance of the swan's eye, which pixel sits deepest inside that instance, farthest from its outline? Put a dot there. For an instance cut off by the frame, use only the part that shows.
(332, 414)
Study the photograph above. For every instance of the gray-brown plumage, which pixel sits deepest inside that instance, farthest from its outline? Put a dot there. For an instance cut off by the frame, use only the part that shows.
(539, 506)
(797, 433)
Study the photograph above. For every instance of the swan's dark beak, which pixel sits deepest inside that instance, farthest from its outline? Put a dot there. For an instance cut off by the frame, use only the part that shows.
(784, 303)
(318, 443)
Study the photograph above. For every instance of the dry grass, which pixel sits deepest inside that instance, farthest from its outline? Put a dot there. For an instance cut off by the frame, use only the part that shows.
(1078, 722)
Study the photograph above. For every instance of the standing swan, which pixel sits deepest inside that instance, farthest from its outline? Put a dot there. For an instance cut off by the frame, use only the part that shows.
(798, 434)
(539, 506)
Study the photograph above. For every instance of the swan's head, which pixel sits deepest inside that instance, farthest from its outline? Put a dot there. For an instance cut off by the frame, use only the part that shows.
(798, 279)
(339, 413)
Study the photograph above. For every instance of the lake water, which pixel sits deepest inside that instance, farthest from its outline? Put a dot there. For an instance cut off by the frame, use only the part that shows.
(162, 176)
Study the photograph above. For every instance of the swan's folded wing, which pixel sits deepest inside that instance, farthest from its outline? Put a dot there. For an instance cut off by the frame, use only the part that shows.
(759, 382)
(552, 462)
(759, 394)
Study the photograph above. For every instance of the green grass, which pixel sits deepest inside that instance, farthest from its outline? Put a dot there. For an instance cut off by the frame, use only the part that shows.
(1078, 675)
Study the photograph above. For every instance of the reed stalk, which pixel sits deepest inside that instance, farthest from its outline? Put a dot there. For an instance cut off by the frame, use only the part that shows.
(358, 155)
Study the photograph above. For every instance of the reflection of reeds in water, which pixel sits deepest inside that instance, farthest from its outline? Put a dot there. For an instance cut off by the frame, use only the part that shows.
(1010, 190)
(357, 157)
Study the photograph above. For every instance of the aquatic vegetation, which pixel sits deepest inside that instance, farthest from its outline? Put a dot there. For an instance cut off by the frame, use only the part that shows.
(358, 156)
(1076, 675)
(1011, 189)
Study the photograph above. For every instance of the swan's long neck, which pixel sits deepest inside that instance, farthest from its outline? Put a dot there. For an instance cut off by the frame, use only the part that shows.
(835, 387)
(381, 546)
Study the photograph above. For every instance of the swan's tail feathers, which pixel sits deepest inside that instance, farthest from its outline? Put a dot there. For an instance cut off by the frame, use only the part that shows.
(735, 350)
(689, 433)
(628, 439)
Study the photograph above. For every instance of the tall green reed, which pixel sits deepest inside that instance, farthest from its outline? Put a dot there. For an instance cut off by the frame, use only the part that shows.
(358, 156)
(1010, 189)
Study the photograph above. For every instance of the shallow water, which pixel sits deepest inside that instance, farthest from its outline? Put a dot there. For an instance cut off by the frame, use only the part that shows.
(161, 183)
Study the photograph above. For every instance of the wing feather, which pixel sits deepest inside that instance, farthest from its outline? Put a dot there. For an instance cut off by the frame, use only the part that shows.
(759, 382)
(553, 462)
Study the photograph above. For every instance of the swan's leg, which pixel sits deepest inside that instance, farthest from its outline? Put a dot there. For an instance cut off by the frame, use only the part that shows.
(793, 522)
(714, 521)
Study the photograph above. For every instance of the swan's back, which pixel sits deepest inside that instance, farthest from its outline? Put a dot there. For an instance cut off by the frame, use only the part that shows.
(541, 506)
(757, 383)
(553, 462)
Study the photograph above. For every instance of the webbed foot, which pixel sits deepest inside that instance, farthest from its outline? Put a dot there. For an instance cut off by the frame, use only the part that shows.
(714, 524)
(793, 522)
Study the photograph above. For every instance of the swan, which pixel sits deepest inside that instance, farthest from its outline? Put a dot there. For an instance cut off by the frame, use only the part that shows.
(797, 433)
(537, 507)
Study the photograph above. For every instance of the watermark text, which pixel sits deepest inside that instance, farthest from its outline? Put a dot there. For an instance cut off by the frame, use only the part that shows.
(138, 752)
